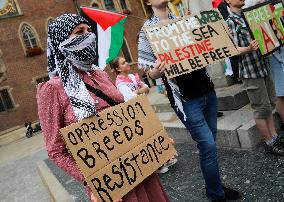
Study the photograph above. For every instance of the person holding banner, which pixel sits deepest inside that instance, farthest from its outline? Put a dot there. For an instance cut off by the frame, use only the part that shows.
(77, 91)
(194, 100)
(255, 74)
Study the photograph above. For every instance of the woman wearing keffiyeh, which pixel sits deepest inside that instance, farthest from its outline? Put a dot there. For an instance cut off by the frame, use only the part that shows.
(65, 99)
(193, 98)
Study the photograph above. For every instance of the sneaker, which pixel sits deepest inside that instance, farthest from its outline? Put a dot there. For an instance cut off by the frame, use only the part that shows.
(282, 126)
(220, 114)
(163, 169)
(280, 139)
(276, 148)
(171, 162)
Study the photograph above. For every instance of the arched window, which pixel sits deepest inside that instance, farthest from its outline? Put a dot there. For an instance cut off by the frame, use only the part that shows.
(177, 7)
(48, 22)
(126, 52)
(123, 4)
(28, 36)
(109, 5)
(30, 40)
(2, 68)
(6, 100)
(96, 4)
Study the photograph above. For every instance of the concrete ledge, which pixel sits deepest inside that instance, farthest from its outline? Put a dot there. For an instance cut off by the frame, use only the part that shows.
(249, 136)
(160, 108)
(232, 98)
(57, 192)
(178, 132)
(222, 81)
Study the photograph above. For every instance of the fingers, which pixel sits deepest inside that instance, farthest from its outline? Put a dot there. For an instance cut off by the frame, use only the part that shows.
(254, 45)
(160, 66)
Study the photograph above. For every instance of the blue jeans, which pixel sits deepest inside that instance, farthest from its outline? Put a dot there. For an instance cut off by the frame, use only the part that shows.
(201, 122)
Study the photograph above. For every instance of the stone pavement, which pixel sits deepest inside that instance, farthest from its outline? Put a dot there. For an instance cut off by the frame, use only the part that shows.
(259, 176)
(19, 180)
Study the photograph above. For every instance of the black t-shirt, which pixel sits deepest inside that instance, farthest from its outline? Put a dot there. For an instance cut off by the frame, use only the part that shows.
(193, 85)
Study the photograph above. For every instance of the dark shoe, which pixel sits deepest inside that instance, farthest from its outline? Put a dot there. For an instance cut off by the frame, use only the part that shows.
(282, 126)
(231, 194)
(280, 139)
(220, 114)
(276, 149)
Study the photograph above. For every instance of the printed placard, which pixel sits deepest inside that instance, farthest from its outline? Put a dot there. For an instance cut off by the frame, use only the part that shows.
(191, 43)
(266, 24)
(119, 148)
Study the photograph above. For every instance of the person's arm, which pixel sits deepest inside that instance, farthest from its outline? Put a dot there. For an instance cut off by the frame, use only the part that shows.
(143, 88)
(51, 117)
(253, 46)
(126, 91)
(243, 50)
(157, 70)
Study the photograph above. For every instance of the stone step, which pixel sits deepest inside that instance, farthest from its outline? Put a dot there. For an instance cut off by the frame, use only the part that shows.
(236, 129)
(232, 97)
(13, 134)
(229, 98)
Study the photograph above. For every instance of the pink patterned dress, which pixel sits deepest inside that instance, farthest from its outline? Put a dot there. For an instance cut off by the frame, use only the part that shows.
(55, 111)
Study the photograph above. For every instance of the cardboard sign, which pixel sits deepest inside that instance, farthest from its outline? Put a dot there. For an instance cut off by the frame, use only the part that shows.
(191, 43)
(266, 24)
(119, 148)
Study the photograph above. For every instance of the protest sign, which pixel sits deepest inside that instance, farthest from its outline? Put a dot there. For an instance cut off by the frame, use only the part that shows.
(119, 148)
(266, 24)
(191, 43)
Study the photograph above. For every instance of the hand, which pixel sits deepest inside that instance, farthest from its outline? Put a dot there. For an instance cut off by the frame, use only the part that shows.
(253, 45)
(160, 66)
(93, 198)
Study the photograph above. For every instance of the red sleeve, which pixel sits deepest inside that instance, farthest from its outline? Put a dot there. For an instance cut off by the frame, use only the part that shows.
(52, 119)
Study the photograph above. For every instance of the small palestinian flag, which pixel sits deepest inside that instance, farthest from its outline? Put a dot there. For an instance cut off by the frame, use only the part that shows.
(109, 28)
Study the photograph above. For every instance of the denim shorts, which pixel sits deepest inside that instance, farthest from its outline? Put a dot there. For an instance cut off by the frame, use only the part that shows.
(277, 69)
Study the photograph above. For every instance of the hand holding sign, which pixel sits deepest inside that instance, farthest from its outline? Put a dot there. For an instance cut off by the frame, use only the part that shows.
(158, 69)
(254, 45)
(266, 24)
(118, 149)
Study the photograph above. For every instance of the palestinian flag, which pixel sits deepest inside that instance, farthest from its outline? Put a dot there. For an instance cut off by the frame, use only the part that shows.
(109, 28)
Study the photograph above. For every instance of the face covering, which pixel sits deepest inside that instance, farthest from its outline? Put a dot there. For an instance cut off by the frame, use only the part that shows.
(80, 51)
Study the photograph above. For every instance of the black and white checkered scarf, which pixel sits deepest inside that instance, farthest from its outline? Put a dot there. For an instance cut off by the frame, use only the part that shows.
(64, 54)
(147, 58)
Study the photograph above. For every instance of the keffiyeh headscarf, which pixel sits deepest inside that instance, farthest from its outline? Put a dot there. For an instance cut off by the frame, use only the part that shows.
(64, 54)
(147, 58)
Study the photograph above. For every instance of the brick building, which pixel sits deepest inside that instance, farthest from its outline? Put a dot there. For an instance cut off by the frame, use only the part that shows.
(23, 31)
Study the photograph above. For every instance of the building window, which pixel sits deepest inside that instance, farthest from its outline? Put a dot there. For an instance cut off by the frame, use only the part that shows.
(30, 40)
(40, 79)
(126, 52)
(48, 22)
(9, 8)
(6, 102)
(177, 7)
(123, 4)
(96, 4)
(109, 5)
(28, 36)
(2, 68)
